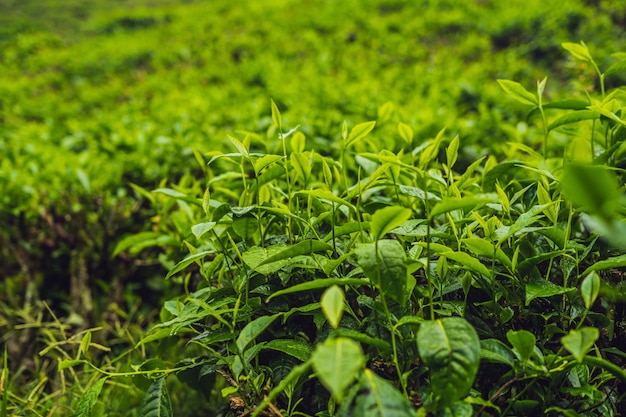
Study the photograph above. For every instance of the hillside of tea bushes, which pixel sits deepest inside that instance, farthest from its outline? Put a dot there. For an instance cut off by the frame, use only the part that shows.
(296, 208)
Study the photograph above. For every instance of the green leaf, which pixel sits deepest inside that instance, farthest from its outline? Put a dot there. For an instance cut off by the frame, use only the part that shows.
(574, 117)
(337, 362)
(137, 242)
(609, 263)
(462, 258)
(88, 400)
(359, 131)
(284, 383)
(276, 117)
(578, 50)
(293, 347)
(301, 165)
(406, 133)
(451, 349)
(156, 401)
(493, 350)
(85, 343)
(332, 303)
(69, 363)
(518, 92)
(187, 261)
(578, 342)
(201, 228)
(319, 283)
(384, 263)
(594, 188)
(540, 288)
(449, 204)
(306, 247)
(253, 329)
(523, 342)
(387, 219)
(376, 397)
(618, 66)
(590, 288)
(452, 152)
(482, 247)
(240, 146)
(327, 195)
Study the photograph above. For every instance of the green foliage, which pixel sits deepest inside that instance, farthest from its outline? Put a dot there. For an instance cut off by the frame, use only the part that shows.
(330, 251)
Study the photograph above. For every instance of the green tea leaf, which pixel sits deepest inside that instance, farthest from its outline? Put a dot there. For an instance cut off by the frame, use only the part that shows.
(89, 399)
(593, 188)
(482, 247)
(293, 347)
(451, 349)
(319, 283)
(578, 50)
(333, 304)
(337, 362)
(384, 263)
(518, 92)
(201, 228)
(359, 131)
(276, 117)
(406, 133)
(452, 152)
(573, 117)
(523, 342)
(609, 263)
(376, 397)
(194, 257)
(540, 288)
(493, 350)
(387, 219)
(578, 342)
(240, 146)
(618, 66)
(590, 288)
(253, 329)
(466, 203)
(305, 247)
(156, 401)
(85, 343)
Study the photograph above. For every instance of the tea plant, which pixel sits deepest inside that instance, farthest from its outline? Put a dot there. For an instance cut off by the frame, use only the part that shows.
(384, 281)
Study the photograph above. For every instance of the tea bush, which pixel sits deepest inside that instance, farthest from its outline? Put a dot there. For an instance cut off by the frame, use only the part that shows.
(298, 239)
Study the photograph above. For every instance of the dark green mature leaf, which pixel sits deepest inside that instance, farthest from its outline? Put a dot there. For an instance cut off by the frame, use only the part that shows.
(451, 349)
(493, 350)
(337, 362)
(293, 347)
(89, 398)
(156, 401)
(578, 342)
(384, 263)
(387, 219)
(541, 288)
(376, 397)
(252, 330)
